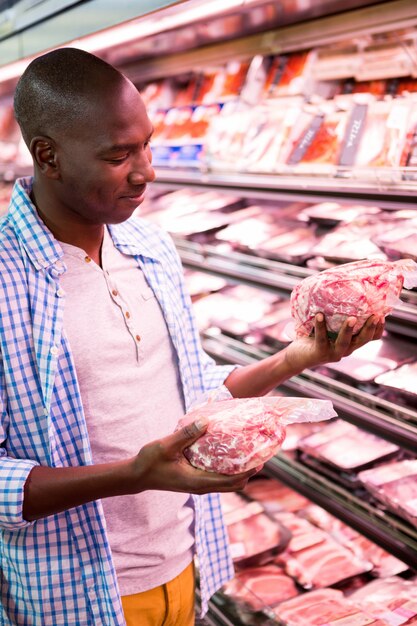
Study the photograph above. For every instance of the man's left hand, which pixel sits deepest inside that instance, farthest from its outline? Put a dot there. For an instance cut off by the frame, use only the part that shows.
(318, 349)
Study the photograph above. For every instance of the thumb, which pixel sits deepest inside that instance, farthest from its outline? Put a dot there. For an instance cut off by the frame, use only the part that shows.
(189, 433)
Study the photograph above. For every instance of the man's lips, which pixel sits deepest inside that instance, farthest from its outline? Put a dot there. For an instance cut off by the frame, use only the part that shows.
(135, 195)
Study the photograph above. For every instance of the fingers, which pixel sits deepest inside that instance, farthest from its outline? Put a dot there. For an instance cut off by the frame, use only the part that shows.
(186, 435)
(221, 483)
(344, 338)
(320, 331)
(371, 330)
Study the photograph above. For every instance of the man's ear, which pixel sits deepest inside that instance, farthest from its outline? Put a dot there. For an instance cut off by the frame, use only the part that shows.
(45, 156)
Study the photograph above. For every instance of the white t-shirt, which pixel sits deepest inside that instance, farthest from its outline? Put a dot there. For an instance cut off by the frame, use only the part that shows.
(129, 381)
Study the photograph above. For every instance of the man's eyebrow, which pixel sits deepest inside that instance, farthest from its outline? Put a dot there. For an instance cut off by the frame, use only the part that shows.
(125, 146)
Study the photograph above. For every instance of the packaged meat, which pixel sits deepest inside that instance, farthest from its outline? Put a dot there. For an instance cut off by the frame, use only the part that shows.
(323, 607)
(322, 564)
(274, 496)
(351, 450)
(332, 213)
(372, 360)
(244, 433)
(382, 136)
(254, 537)
(261, 587)
(358, 289)
(401, 380)
(384, 563)
(392, 599)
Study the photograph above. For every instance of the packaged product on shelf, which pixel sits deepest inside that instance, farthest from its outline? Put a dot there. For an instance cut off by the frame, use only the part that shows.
(316, 560)
(396, 487)
(322, 153)
(402, 381)
(392, 599)
(384, 563)
(378, 135)
(346, 447)
(400, 242)
(274, 496)
(200, 284)
(235, 309)
(293, 74)
(292, 245)
(260, 588)
(359, 289)
(255, 538)
(244, 433)
(372, 359)
(326, 607)
(333, 213)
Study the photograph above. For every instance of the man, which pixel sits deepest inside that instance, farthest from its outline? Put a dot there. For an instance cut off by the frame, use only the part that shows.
(100, 358)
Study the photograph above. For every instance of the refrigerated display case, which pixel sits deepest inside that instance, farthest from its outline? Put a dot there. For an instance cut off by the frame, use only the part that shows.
(318, 75)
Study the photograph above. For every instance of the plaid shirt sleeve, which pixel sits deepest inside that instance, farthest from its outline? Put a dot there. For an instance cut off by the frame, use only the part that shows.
(13, 474)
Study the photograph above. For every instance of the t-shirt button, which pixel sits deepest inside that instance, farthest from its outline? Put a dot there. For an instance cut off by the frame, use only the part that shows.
(87, 259)
(138, 337)
(60, 293)
(54, 350)
(127, 314)
(115, 292)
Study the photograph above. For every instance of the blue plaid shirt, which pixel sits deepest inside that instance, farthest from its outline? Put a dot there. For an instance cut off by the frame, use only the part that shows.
(59, 570)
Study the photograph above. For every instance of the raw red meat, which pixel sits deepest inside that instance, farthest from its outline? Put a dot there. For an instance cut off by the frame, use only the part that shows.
(274, 496)
(254, 537)
(348, 447)
(244, 433)
(358, 289)
(323, 564)
(261, 587)
(321, 608)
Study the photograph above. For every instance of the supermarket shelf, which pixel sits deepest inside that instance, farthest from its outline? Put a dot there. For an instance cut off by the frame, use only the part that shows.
(215, 616)
(390, 421)
(361, 22)
(10, 171)
(283, 277)
(384, 190)
(385, 529)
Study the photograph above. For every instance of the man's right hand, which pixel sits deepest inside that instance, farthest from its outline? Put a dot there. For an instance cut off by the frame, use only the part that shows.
(162, 465)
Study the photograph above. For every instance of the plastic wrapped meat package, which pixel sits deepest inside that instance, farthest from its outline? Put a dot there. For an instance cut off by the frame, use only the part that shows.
(384, 563)
(260, 588)
(371, 360)
(274, 496)
(346, 447)
(320, 152)
(391, 599)
(244, 433)
(395, 485)
(358, 289)
(323, 607)
(332, 213)
(254, 537)
(352, 241)
(293, 245)
(314, 558)
(401, 382)
(400, 242)
(235, 309)
(381, 135)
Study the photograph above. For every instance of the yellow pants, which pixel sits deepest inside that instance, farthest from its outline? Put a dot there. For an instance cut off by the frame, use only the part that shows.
(171, 604)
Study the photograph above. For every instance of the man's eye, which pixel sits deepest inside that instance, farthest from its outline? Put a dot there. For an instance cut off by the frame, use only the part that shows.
(118, 159)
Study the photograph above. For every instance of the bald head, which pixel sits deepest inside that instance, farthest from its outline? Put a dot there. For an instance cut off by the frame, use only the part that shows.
(58, 90)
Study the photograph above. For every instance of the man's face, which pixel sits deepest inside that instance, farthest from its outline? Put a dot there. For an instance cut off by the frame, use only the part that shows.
(105, 163)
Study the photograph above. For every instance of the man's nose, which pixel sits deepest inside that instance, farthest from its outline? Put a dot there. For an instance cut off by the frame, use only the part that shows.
(142, 171)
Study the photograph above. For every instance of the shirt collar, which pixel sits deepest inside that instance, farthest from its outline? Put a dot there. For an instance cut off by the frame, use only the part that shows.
(134, 237)
(41, 246)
